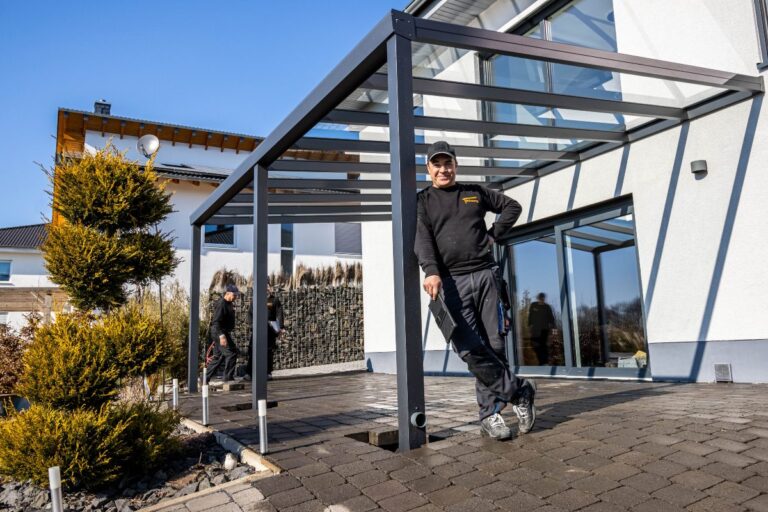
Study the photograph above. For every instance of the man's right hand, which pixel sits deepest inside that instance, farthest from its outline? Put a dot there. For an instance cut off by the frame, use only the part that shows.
(223, 340)
(432, 286)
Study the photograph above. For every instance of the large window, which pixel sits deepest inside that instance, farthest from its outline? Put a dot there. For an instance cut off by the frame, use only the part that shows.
(222, 235)
(577, 305)
(5, 271)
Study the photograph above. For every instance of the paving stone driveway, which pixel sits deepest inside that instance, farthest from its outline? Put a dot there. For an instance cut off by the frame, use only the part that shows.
(597, 446)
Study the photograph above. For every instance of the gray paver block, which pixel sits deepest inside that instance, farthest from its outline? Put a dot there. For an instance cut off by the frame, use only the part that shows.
(325, 480)
(572, 499)
(521, 501)
(356, 504)
(244, 497)
(544, 487)
(276, 484)
(291, 497)
(712, 504)
(208, 501)
(733, 492)
(759, 504)
(338, 493)
(472, 505)
(307, 506)
(384, 490)
(656, 505)
(595, 484)
(728, 472)
(449, 495)
(403, 502)
(696, 479)
(410, 473)
(624, 496)
(368, 478)
(679, 495)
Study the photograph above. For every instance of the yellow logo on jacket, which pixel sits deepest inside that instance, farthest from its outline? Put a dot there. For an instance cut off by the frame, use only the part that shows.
(470, 199)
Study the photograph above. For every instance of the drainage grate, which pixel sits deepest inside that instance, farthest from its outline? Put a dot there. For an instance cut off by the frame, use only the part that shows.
(723, 372)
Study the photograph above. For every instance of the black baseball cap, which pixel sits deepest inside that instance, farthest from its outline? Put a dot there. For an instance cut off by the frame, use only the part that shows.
(232, 288)
(440, 148)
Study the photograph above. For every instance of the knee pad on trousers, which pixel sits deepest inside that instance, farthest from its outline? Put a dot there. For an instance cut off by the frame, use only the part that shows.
(485, 366)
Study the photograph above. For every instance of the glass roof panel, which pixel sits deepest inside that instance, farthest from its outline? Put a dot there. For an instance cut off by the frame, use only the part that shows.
(459, 65)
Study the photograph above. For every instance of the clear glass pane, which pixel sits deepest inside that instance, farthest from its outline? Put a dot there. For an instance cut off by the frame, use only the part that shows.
(538, 326)
(604, 288)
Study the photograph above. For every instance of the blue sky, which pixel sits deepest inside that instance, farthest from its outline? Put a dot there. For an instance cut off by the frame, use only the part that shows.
(231, 65)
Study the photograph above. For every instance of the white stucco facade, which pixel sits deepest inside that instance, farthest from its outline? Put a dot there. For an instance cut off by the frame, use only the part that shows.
(699, 242)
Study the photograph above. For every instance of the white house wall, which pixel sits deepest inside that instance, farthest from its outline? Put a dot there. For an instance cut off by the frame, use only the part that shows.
(699, 240)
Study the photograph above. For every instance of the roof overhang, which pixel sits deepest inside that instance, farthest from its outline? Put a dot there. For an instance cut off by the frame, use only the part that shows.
(306, 189)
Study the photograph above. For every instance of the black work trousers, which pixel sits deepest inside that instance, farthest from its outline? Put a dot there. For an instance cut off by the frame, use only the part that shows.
(226, 355)
(473, 300)
(271, 347)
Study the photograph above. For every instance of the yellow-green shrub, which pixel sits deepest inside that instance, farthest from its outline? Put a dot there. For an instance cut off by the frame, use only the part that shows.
(69, 365)
(88, 445)
(91, 266)
(139, 341)
(148, 433)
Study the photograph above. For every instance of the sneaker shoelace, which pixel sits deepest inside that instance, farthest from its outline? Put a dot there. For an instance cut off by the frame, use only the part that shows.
(497, 421)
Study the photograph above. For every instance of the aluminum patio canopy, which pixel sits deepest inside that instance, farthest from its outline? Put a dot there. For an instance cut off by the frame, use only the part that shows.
(353, 150)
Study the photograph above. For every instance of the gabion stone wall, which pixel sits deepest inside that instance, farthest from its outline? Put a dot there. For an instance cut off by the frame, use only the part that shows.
(323, 325)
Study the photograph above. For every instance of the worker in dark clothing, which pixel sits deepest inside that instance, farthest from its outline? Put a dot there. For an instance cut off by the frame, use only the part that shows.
(455, 250)
(541, 321)
(222, 324)
(274, 330)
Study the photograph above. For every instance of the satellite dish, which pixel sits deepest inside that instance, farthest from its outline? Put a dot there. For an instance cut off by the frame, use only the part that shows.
(148, 145)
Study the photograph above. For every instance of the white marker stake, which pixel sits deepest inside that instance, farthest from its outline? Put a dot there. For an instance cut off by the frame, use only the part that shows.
(263, 426)
(205, 375)
(54, 478)
(205, 405)
(175, 394)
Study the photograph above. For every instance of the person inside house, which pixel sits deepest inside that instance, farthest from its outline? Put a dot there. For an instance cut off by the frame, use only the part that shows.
(222, 324)
(275, 322)
(541, 322)
(455, 250)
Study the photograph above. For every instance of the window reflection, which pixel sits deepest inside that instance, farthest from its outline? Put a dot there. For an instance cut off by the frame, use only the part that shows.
(604, 289)
(538, 340)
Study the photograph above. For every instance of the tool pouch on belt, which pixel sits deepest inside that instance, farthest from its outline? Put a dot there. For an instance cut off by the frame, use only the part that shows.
(504, 305)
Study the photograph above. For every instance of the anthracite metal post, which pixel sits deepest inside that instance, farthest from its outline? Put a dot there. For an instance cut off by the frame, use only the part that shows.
(194, 311)
(410, 370)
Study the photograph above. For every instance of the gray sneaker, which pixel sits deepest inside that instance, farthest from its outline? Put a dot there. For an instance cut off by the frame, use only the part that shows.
(494, 427)
(524, 408)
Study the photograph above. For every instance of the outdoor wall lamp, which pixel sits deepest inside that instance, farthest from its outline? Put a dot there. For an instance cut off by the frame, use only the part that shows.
(698, 167)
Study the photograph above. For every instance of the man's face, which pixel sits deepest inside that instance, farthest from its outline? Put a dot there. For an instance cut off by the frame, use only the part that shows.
(229, 296)
(442, 170)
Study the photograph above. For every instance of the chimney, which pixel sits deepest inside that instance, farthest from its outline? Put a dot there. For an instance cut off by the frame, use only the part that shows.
(102, 107)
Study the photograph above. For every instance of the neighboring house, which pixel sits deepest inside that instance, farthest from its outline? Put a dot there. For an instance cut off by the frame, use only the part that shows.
(193, 161)
(652, 271)
(24, 283)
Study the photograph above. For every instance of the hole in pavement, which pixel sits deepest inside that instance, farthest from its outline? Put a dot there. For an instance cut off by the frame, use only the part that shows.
(244, 406)
(387, 439)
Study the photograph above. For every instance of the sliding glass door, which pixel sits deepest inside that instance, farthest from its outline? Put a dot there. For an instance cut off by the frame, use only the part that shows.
(577, 302)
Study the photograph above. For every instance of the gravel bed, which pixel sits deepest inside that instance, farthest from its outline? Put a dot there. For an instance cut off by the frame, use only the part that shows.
(198, 467)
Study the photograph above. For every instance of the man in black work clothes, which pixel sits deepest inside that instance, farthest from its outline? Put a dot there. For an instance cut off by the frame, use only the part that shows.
(541, 321)
(455, 250)
(222, 324)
